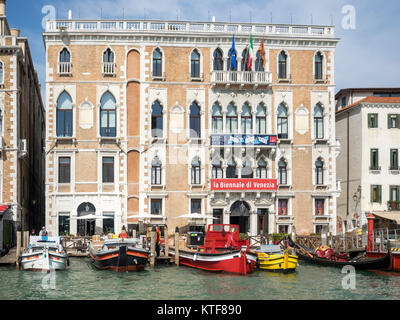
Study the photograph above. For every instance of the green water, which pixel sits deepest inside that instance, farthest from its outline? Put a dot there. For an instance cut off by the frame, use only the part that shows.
(81, 281)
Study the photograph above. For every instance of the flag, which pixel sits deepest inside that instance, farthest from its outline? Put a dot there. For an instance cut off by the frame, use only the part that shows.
(262, 52)
(250, 54)
(233, 54)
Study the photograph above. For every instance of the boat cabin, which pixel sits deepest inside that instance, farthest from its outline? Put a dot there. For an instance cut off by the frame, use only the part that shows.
(223, 237)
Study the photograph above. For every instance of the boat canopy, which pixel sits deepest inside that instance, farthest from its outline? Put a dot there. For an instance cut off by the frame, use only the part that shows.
(38, 239)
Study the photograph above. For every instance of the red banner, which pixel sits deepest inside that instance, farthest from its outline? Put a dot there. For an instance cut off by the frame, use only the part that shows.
(244, 184)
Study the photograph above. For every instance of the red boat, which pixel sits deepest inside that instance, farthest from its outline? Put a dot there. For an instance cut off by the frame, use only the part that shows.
(222, 251)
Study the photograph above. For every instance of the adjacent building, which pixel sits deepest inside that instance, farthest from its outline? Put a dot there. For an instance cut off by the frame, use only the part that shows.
(162, 122)
(22, 133)
(367, 127)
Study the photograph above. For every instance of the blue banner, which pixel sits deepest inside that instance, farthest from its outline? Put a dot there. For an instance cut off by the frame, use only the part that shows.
(243, 139)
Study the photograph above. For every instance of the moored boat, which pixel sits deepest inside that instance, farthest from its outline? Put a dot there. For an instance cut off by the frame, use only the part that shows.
(222, 251)
(274, 258)
(119, 255)
(44, 254)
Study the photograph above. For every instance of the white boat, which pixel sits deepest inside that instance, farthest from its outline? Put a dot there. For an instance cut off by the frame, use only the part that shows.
(44, 254)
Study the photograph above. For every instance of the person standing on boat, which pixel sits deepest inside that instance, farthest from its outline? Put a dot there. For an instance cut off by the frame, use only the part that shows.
(43, 232)
(123, 234)
(158, 241)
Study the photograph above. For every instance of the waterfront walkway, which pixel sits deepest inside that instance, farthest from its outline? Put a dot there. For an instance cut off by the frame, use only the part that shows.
(9, 258)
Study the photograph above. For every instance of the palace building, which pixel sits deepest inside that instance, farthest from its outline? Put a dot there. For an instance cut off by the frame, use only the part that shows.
(190, 123)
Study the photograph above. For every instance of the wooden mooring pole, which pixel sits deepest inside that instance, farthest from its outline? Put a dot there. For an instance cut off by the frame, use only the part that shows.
(166, 241)
(153, 247)
(18, 248)
(177, 246)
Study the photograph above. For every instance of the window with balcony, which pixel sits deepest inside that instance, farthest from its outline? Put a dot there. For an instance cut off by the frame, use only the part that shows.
(195, 206)
(231, 119)
(64, 170)
(64, 115)
(393, 121)
(282, 65)
(245, 60)
(194, 119)
(394, 159)
(374, 160)
(157, 63)
(318, 122)
(319, 172)
(108, 169)
(108, 123)
(156, 206)
(108, 62)
(282, 207)
(372, 120)
(196, 171)
(282, 172)
(261, 119)
(259, 62)
(261, 169)
(247, 119)
(231, 62)
(195, 64)
(218, 64)
(376, 193)
(319, 207)
(156, 120)
(64, 66)
(217, 119)
(156, 171)
(318, 65)
(231, 172)
(282, 122)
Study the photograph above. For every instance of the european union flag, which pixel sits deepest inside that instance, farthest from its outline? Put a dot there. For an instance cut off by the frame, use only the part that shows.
(233, 54)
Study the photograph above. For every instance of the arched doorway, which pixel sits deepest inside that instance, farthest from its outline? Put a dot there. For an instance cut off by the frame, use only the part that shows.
(86, 227)
(240, 215)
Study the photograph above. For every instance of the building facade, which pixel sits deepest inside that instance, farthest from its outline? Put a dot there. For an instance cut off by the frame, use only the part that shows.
(158, 122)
(368, 164)
(22, 129)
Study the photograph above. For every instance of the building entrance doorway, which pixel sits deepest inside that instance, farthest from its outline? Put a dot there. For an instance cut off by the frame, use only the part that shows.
(240, 215)
(86, 227)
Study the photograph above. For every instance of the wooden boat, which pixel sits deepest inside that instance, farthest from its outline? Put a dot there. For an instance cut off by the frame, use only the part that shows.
(44, 254)
(119, 255)
(326, 257)
(222, 251)
(274, 258)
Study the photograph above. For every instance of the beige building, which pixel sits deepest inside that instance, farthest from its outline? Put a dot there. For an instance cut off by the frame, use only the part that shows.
(149, 122)
(22, 125)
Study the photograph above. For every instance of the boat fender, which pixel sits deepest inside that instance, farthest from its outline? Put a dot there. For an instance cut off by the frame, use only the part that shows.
(195, 257)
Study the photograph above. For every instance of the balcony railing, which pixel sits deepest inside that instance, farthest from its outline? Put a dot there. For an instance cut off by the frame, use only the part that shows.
(241, 77)
(64, 68)
(109, 68)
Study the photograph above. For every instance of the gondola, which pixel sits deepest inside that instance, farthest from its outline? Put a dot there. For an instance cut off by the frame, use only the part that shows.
(360, 262)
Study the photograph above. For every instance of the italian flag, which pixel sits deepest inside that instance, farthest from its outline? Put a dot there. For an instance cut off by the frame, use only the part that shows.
(250, 61)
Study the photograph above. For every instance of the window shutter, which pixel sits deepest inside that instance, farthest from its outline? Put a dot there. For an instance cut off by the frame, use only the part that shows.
(391, 158)
(389, 122)
(398, 121)
(369, 121)
(372, 194)
(380, 194)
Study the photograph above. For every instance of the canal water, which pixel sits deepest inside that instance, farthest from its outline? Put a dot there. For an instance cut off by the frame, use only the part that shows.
(82, 281)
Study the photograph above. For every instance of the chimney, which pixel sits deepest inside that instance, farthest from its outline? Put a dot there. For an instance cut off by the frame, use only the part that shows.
(69, 14)
(15, 32)
(2, 7)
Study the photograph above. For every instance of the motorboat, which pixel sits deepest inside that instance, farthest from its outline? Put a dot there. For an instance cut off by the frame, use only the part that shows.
(44, 254)
(274, 258)
(118, 254)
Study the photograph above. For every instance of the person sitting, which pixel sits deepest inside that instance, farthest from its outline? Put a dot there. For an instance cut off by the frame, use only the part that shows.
(123, 234)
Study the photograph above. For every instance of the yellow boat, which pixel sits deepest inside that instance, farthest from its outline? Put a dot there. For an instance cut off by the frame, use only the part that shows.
(273, 258)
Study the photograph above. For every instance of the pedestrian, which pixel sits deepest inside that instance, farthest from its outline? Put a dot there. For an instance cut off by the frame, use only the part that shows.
(123, 233)
(158, 241)
(33, 233)
(43, 232)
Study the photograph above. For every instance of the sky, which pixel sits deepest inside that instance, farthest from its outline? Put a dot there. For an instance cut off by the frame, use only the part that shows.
(367, 54)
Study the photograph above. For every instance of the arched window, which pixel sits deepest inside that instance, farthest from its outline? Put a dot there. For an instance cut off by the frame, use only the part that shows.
(261, 121)
(318, 66)
(231, 62)
(156, 120)
(108, 56)
(217, 119)
(282, 65)
(247, 119)
(318, 122)
(231, 119)
(196, 171)
(64, 115)
(157, 63)
(195, 126)
(231, 170)
(259, 62)
(261, 169)
(195, 64)
(216, 171)
(218, 60)
(247, 170)
(65, 56)
(282, 172)
(1, 73)
(245, 60)
(319, 172)
(156, 171)
(282, 122)
(108, 123)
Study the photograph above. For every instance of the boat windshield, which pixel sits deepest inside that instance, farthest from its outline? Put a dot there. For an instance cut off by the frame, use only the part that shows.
(225, 227)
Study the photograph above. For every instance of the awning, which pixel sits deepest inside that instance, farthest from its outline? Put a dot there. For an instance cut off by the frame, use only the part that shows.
(3, 209)
(389, 216)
